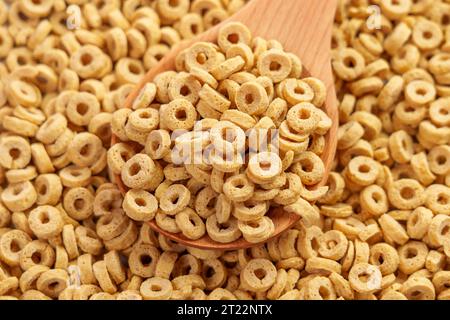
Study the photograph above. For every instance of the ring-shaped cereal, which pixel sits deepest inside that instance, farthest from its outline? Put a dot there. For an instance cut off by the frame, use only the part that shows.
(143, 259)
(309, 168)
(238, 188)
(406, 194)
(303, 118)
(252, 98)
(45, 221)
(258, 275)
(190, 224)
(184, 86)
(140, 205)
(370, 273)
(274, 64)
(178, 114)
(156, 289)
(232, 34)
(137, 171)
(250, 210)
(144, 119)
(78, 202)
(52, 128)
(222, 232)
(227, 137)
(52, 282)
(73, 176)
(202, 55)
(175, 199)
(19, 196)
(257, 231)
(15, 152)
(11, 245)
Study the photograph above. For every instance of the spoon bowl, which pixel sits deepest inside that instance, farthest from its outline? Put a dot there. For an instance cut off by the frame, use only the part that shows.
(304, 28)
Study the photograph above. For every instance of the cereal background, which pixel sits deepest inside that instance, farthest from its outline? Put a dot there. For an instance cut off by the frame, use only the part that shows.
(381, 231)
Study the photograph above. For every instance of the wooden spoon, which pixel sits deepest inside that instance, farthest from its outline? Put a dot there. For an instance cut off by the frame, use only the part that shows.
(304, 28)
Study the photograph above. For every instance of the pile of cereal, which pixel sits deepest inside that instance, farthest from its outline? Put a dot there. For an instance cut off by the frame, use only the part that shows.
(382, 230)
(235, 132)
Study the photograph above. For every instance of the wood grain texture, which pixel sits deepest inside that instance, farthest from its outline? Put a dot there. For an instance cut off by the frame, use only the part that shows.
(304, 28)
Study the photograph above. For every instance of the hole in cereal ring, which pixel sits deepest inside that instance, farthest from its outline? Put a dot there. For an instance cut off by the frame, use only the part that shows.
(145, 259)
(86, 59)
(441, 160)
(215, 21)
(86, 149)
(364, 168)
(79, 204)
(304, 114)
(427, 35)
(155, 145)
(331, 244)
(233, 38)
(299, 90)
(249, 98)
(260, 273)
(265, 165)
(181, 115)
(201, 58)
(107, 206)
(185, 91)
(421, 91)
(315, 244)
(21, 60)
(134, 68)
(17, 190)
(134, 169)
(82, 108)
(23, 16)
(442, 199)
(307, 165)
(324, 292)
(140, 202)
(444, 112)
(44, 218)
(173, 3)
(364, 277)
(36, 257)
(376, 197)
(125, 156)
(445, 20)
(416, 294)
(145, 115)
(75, 173)
(42, 189)
(274, 66)
(14, 247)
(446, 230)
(14, 153)
(380, 259)
(407, 193)
(53, 285)
(211, 203)
(411, 253)
(194, 29)
(349, 62)
(155, 287)
(36, 1)
(209, 272)
(253, 224)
